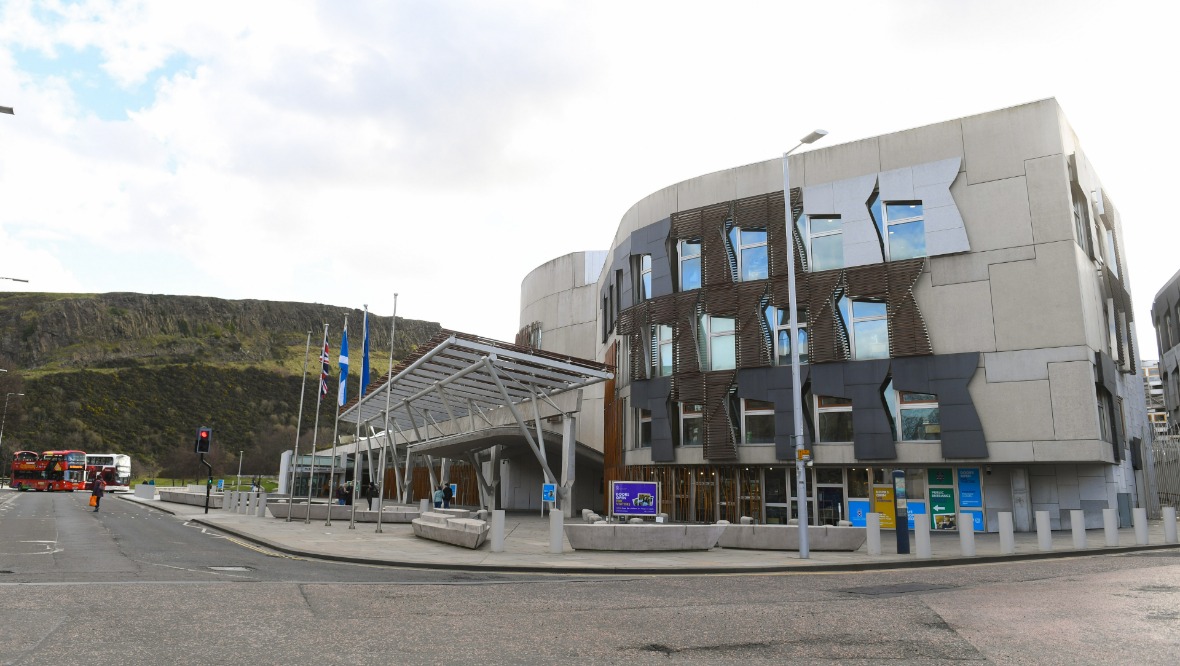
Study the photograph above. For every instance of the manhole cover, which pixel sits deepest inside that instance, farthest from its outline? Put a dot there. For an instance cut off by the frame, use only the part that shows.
(897, 588)
(230, 568)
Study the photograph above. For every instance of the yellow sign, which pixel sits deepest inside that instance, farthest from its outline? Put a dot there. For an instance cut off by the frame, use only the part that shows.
(883, 504)
(802, 454)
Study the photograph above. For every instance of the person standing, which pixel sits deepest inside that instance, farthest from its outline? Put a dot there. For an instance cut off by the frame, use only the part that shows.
(367, 491)
(96, 490)
(438, 497)
(448, 494)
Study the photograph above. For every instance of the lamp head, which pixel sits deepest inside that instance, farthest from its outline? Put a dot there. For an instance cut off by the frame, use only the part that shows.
(814, 136)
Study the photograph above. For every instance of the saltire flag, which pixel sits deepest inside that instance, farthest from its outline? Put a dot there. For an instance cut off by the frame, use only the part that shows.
(342, 395)
(325, 368)
(365, 357)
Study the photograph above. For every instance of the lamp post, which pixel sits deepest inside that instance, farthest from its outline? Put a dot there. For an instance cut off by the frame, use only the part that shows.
(4, 418)
(238, 482)
(796, 390)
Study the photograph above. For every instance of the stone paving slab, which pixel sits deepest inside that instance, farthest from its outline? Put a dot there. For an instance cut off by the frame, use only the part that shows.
(526, 547)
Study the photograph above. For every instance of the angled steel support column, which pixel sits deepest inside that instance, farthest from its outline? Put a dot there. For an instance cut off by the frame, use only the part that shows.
(524, 429)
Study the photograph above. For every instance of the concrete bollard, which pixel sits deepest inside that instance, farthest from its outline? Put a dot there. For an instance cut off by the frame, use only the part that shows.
(873, 532)
(1140, 520)
(497, 531)
(1044, 532)
(248, 504)
(967, 534)
(1077, 522)
(1007, 534)
(227, 499)
(261, 511)
(556, 531)
(1169, 524)
(922, 536)
(1110, 525)
(425, 505)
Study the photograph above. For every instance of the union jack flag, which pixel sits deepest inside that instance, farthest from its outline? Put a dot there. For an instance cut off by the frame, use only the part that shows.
(325, 368)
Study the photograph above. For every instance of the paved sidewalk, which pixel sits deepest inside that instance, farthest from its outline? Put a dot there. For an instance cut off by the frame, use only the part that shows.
(526, 547)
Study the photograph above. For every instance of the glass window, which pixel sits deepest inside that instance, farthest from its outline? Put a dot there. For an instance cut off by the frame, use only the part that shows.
(869, 333)
(690, 264)
(779, 321)
(661, 349)
(905, 235)
(691, 425)
(829, 475)
(749, 248)
(1081, 221)
(834, 416)
(858, 482)
(757, 422)
(1111, 258)
(645, 277)
(644, 428)
(719, 338)
(826, 241)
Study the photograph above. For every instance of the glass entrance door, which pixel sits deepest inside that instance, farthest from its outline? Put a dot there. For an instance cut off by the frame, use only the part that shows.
(829, 502)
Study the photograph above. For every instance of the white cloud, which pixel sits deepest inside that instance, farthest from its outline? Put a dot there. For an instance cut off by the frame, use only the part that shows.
(338, 152)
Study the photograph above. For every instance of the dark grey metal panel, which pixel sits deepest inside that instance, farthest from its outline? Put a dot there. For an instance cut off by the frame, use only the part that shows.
(947, 376)
(872, 437)
(773, 384)
(653, 240)
(1107, 371)
(653, 394)
(1136, 453)
(828, 379)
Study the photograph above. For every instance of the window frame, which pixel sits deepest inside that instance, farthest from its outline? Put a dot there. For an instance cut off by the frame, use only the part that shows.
(658, 343)
(707, 335)
(774, 322)
(836, 405)
(812, 235)
(760, 411)
(738, 247)
(889, 222)
(1081, 221)
(643, 273)
(694, 415)
(643, 417)
(910, 401)
(682, 259)
(851, 319)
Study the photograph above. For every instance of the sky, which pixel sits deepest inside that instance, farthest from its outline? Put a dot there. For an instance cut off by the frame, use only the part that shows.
(342, 152)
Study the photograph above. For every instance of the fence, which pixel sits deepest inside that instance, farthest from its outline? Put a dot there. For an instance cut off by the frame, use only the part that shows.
(1165, 449)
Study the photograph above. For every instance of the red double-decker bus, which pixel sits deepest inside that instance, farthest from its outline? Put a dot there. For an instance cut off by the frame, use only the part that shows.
(52, 470)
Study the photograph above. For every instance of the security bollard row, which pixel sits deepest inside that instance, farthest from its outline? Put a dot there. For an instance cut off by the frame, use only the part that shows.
(1169, 524)
(1077, 522)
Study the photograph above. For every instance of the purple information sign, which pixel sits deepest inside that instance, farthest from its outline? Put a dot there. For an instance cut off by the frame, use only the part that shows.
(635, 498)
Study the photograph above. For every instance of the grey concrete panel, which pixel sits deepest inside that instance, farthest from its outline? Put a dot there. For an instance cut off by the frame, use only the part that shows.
(1028, 364)
(946, 241)
(973, 267)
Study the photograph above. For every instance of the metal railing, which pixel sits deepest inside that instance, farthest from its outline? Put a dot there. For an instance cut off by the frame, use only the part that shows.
(1165, 463)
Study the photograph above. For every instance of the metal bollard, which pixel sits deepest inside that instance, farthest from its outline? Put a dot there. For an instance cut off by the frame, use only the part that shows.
(1044, 531)
(261, 513)
(1110, 525)
(873, 532)
(497, 531)
(922, 536)
(1169, 524)
(1077, 522)
(556, 531)
(1140, 520)
(1007, 534)
(967, 534)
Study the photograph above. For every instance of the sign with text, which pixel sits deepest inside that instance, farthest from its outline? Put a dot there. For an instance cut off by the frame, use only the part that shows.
(635, 498)
(549, 492)
(916, 508)
(970, 493)
(942, 508)
(857, 510)
(883, 504)
(976, 520)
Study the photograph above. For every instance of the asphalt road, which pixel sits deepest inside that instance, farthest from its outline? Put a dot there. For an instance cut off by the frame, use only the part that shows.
(129, 585)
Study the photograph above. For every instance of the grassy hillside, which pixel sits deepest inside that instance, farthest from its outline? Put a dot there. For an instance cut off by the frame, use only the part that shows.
(138, 374)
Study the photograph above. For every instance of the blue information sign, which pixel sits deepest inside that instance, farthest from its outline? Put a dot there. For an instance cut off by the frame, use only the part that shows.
(549, 492)
(976, 520)
(635, 498)
(970, 493)
(220, 484)
(916, 508)
(857, 510)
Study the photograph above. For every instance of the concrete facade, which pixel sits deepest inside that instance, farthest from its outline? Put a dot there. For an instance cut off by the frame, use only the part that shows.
(1021, 264)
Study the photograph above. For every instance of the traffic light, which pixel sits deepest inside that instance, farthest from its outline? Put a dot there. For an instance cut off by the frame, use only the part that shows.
(204, 439)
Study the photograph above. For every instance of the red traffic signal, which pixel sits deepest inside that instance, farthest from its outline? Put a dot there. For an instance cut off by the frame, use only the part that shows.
(204, 439)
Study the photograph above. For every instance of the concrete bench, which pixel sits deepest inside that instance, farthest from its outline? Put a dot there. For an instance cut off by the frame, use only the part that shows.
(645, 537)
(300, 510)
(786, 537)
(192, 498)
(445, 528)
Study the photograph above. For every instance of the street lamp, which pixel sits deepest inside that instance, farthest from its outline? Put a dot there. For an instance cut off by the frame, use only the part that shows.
(238, 482)
(4, 418)
(796, 390)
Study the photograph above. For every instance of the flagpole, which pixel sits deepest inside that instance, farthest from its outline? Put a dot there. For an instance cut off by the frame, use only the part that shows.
(298, 424)
(341, 392)
(360, 397)
(319, 397)
(388, 439)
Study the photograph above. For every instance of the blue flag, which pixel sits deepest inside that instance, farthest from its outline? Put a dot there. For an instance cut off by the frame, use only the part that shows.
(365, 358)
(342, 394)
